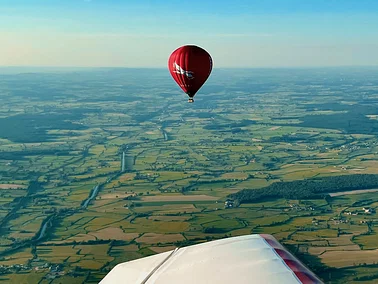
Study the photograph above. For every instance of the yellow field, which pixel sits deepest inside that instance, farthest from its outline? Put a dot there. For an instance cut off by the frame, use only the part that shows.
(115, 195)
(162, 249)
(112, 233)
(180, 197)
(99, 249)
(169, 218)
(51, 253)
(349, 258)
(12, 186)
(235, 175)
(321, 250)
(32, 277)
(341, 241)
(89, 264)
(152, 238)
(18, 258)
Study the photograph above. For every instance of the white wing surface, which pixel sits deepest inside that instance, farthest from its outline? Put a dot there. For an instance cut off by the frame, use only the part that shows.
(244, 259)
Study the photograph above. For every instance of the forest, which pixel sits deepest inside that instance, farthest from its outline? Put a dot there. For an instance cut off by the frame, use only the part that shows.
(308, 188)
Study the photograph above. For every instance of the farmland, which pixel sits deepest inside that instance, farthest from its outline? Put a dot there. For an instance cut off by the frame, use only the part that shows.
(98, 168)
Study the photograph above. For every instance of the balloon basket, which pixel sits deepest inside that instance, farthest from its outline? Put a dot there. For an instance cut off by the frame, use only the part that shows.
(191, 100)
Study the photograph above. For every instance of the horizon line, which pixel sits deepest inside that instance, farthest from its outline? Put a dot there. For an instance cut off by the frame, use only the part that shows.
(154, 67)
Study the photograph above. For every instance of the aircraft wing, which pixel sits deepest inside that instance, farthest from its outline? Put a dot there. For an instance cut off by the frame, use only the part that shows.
(245, 259)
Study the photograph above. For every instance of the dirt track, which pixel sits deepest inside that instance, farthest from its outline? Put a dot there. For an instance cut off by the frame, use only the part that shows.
(352, 192)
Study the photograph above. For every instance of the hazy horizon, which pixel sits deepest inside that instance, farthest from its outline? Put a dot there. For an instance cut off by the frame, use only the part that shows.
(5, 70)
(113, 33)
(164, 68)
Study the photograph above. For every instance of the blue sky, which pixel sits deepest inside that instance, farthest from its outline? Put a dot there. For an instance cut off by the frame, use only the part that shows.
(237, 33)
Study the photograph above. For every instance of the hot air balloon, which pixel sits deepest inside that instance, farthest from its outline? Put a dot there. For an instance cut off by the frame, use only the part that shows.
(190, 66)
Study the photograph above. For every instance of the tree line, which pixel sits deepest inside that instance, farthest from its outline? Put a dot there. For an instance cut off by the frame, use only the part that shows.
(309, 188)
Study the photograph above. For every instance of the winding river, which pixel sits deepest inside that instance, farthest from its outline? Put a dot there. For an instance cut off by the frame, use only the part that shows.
(93, 195)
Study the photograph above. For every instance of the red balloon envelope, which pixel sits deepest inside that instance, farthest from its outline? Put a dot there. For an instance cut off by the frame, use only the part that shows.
(190, 66)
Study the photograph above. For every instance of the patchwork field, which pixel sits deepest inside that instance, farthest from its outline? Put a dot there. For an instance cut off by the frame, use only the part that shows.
(100, 167)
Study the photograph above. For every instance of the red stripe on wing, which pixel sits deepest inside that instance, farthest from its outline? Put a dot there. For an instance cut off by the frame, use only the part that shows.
(302, 273)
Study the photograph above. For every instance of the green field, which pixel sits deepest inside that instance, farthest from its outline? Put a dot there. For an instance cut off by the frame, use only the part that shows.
(70, 209)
